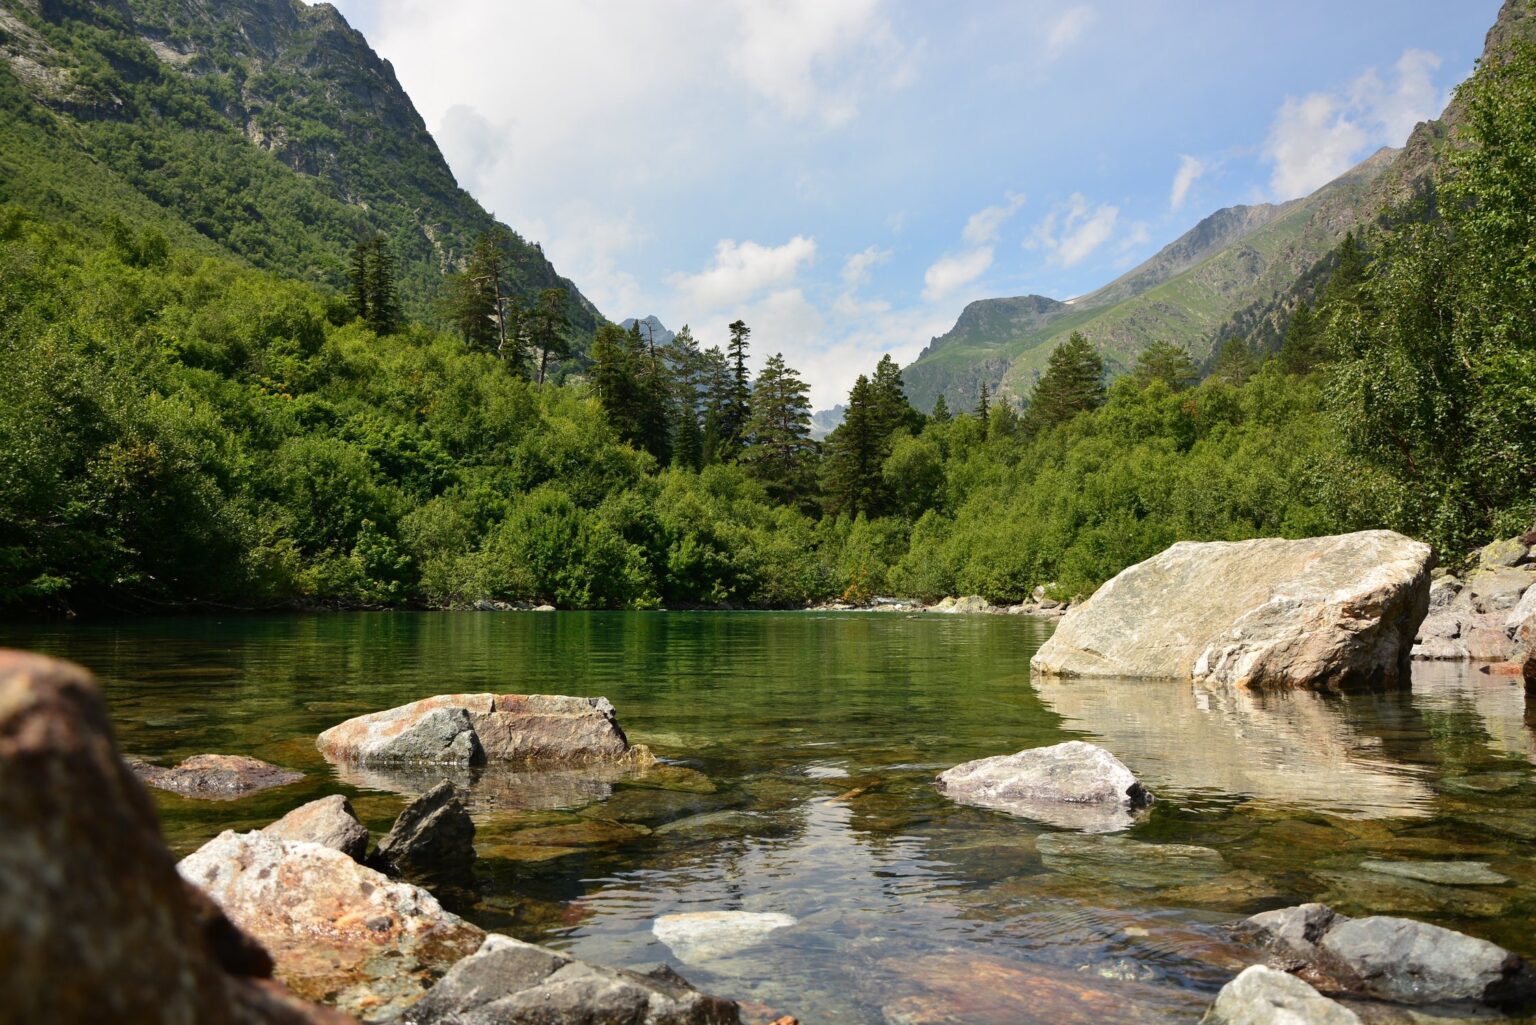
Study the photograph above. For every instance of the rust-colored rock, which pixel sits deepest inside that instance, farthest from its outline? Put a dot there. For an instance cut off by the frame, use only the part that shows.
(95, 923)
(215, 777)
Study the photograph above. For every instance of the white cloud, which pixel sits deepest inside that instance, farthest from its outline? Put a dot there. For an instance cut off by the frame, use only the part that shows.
(1073, 230)
(1317, 137)
(857, 268)
(949, 273)
(1068, 28)
(1189, 172)
(984, 224)
(742, 270)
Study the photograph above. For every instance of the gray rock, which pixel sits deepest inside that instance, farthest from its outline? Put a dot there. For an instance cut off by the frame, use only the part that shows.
(1289, 935)
(1446, 873)
(508, 981)
(1413, 963)
(1504, 554)
(1443, 591)
(330, 822)
(1499, 590)
(432, 840)
(215, 777)
(1074, 785)
(1130, 863)
(1264, 996)
(1322, 612)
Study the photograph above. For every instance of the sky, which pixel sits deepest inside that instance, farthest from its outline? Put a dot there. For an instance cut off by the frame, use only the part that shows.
(845, 175)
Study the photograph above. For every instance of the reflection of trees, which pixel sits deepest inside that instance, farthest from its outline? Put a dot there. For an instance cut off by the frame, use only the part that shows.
(1468, 712)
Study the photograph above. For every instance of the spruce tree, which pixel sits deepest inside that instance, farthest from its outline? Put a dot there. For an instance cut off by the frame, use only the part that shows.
(983, 407)
(686, 366)
(1235, 362)
(1073, 383)
(357, 281)
(548, 324)
(383, 298)
(738, 409)
(852, 480)
(940, 414)
(781, 453)
(892, 410)
(718, 386)
(653, 397)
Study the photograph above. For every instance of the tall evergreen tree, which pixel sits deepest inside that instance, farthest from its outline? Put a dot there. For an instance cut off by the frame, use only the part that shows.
(357, 281)
(738, 409)
(1235, 362)
(383, 315)
(1073, 383)
(1166, 362)
(653, 391)
(892, 410)
(781, 453)
(940, 414)
(983, 406)
(718, 388)
(852, 473)
(685, 364)
(548, 323)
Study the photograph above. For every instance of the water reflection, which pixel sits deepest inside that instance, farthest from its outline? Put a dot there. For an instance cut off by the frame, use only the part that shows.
(1499, 703)
(1294, 748)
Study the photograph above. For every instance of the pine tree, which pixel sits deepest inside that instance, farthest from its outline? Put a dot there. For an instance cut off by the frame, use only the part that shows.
(892, 410)
(686, 366)
(781, 453)
(1166, 362)
(472, 298)
(940, 414)
(717, 386)
(1235, 362)
(983, 407)
(357, 281)
(653, 397)
(852, 480)
(1304, 346)
(738, 409)
(1073, 383)
(383, 298)
(548, 324)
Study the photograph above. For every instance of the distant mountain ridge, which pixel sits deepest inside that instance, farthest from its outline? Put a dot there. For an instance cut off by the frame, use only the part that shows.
(651, 329)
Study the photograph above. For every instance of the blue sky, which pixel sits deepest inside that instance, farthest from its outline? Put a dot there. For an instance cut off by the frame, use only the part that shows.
(847, 174)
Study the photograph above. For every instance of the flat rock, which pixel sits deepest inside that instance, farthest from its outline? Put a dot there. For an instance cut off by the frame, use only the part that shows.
(1074, 785)
(337, 931)
(474, 729)
(1129, 863)
(1264, 996)
(432, 840)
(700, 936)
(1322, 612)
(329, 822)
(1364, 892)
(1445, 873)
(508, 981)
(96, 925)
(215, 777)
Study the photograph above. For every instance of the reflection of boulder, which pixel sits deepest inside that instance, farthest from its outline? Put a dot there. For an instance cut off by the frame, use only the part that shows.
(1499, 701)
(1289, 747)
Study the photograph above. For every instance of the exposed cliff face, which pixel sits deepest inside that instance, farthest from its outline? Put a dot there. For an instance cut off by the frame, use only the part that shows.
(269, 127)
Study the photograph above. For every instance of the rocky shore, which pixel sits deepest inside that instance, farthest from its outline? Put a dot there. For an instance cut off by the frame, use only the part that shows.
(1039, 604)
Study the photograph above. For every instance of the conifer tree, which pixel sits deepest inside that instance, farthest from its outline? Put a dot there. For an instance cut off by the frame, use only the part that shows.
(383, 298)
(781, 453)
(653, 397)
(1235, 362)
(685, 364)
(892, 410)
(852, 478)
(738, 408)
(547, 327)
(1166, 362)
(718, 386)
(1073, 383)
(940, 414)
(983, 407)
(357, 281)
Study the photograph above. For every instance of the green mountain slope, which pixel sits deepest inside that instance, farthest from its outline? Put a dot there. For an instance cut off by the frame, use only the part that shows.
(266, 129)
(1231, 260)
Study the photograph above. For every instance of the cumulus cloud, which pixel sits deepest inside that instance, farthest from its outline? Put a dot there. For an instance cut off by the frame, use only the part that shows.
(1068, 27)
(741, 270)
(1073, 230)
(1317, 137)
(1189, 172)
(984, 224)
(857, 268)
(950, 273)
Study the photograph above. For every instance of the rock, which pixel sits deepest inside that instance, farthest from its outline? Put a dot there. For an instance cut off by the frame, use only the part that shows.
(329, 822)
(1499, 590)
(1443, 591)
(432, 840)
(1322, 612)
(1263, 996)
(1072, 785)
(1445, 873)
(1393, 959)
(1504, 554)
(508, 981)
(95, 923)
(700, 936)
(473, 729)
(716, 825)
(215, 777)
(969, 605)
(544, 608)
(1130, 863)
(337, 931)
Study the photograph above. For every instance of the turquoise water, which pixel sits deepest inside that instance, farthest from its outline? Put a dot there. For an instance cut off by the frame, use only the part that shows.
(800, 750)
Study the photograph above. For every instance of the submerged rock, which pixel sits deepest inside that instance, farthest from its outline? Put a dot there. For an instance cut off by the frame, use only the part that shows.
(215, 777)
(1445, 873)
(508, 981)
(1322, 612)
(432, 840)
(1131, 863)
(1074, 785)
(329, 822)
(474, 729)
(1392, 959)
(337, 931)
(95, 923)
(699, 936)
(1264, 996)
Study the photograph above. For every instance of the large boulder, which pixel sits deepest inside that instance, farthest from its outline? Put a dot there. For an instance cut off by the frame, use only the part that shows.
(95, 923)
(507, 981)
(1264, 996)
(476, 729)
(329, 822)
(337, 931)
(1074, 785)
(432, 840)
(215, 777)
(1323, 612)
(1392, 959)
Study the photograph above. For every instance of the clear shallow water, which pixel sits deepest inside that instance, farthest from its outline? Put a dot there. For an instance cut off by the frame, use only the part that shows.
(801, 751)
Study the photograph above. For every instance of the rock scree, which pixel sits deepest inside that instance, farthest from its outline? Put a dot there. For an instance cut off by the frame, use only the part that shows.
(95, 924)
(1324, 612)
(1075, 785)
(215, 777)
(329, 822)
(508, 981)
(478, 729)
(337, 931)
(1397, 960)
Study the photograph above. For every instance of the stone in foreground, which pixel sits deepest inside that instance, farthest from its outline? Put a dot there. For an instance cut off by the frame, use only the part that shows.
(337, 931)
(329, 822)
(479, 729)
(95, 924)
(1074, 785)
(1264, 996)
(1391, 959)
(700, 936)
(1324, 612)
(432, 840)
(215, 777)
(507, 981)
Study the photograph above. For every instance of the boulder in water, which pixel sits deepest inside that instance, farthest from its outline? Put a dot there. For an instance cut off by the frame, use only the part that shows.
(1074, 785)
(215, 777)
(432, 840)
(329, 822)
(1323, 612)
(1264, 996)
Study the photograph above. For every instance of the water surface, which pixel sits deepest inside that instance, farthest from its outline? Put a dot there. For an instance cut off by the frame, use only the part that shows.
(800, 753)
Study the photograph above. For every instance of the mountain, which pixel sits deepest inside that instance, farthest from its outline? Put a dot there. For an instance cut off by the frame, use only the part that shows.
(263, 129)
(825, 421)
(651, 329)
(1233, 259)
